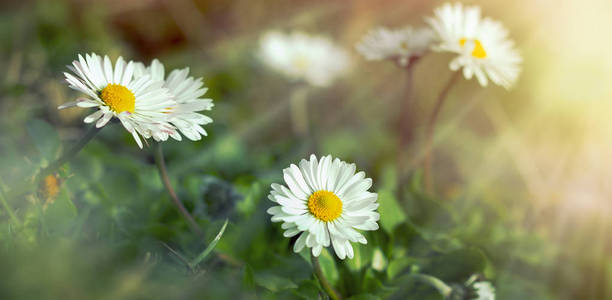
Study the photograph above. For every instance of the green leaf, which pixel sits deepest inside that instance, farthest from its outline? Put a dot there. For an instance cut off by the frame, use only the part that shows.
(249, 203)
(210, 247)
(399, 265)
(308, 289)
(45, 139)
(248, 279)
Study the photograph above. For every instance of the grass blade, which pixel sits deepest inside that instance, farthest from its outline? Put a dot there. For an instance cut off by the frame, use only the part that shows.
(210, 247)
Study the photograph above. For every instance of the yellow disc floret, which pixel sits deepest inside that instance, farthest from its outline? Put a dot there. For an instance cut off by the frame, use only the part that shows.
(118, 98)
(478, 51)
(325, 205)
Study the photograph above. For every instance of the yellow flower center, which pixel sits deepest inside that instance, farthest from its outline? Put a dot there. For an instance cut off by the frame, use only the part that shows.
(118, 98)
(478, 51)
(325, 205)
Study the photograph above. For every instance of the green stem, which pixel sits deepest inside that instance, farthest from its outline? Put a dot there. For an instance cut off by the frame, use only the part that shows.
(431, 124)
(404, 130)
(444, 289)
(163, 173)
(319, 273)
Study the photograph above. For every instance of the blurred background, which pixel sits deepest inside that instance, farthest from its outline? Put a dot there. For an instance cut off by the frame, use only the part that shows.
(521, 176)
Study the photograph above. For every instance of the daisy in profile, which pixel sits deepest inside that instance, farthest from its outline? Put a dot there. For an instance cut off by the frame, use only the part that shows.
(142, 105)
(187, 92)
(400, 45)
(482, 45)
(325, 202)
(299, 56)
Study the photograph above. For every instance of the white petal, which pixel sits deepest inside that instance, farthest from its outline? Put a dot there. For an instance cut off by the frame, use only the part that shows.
(107, 116)
(93, 117)
(137, 139)
(300, 242)
(68, 105)
(349, 249)
(291, 232)
(119, 65)
(338, 245)
(83, 102)
(127, 74)
(108, 70)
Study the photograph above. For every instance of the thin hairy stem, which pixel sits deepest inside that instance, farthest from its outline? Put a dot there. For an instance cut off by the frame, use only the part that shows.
(431, 124)
(163, 173)
(405, 129)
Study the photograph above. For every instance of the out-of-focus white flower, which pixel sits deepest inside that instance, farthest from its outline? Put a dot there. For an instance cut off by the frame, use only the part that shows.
(299, 56)
(400, 45)
(484, 290)
(142, 104)
(482, 45)
(187, 92)
(325, 202)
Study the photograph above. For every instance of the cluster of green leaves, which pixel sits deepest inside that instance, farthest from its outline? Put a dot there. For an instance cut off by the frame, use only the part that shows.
(112, 204)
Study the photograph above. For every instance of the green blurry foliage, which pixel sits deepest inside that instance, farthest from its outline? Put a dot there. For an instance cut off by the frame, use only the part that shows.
(112, 232)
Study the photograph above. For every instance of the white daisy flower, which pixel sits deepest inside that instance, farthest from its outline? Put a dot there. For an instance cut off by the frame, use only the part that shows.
(484, 290)
(399, 45)
(481, 44)
(140, 104)
(299, 56)
(325, 202)
(187, 92)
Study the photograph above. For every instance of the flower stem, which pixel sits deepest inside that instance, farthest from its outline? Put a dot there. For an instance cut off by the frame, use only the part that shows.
(319, 273)
(163, 173)
(404, 129)
(430, 131)
(299, 111)
(442, 287)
